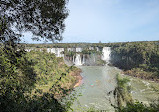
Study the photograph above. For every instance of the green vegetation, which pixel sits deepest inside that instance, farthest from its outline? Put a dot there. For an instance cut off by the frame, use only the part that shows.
(121, 93)
(69, 53)
(88, 51)
(124, 101)
(35, 81)
(67, 45)
(140, 107)
(24, 86)
(49, 69)
(88, 54)
(100, 62)
(83, 45)
(45, 19)
(139, 59)
(38, 81)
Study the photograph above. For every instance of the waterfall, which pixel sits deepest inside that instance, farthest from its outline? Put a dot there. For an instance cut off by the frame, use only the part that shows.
(78, 60)
(91, 48)
(93, 58)
(106, 54)
(28, 50)
(78, 49)
(97, 48)
(48, 50)
(53, 50)
(57, 51)
(73, 59)
(83, 60)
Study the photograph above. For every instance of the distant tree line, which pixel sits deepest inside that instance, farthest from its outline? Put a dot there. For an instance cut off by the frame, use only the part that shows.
(137, 56)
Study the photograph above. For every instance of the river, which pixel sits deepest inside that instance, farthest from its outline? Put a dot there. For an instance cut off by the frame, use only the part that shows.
(99, 80)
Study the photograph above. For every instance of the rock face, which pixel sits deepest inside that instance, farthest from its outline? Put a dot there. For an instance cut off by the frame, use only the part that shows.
(92, 56)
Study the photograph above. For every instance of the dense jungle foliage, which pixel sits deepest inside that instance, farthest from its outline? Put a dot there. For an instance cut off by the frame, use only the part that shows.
(35, 81)
(140, 59)
(49, 70)
(75, 45)
(124, 101)
(44, 19)
(66, 45)
(38, 76)
(38, 81)
(19, 74)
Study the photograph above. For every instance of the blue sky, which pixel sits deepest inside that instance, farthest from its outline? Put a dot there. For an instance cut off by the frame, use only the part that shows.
(111, 21)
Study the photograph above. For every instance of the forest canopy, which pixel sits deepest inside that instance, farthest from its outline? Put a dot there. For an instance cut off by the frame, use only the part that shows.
(18, 77)
(44, 18)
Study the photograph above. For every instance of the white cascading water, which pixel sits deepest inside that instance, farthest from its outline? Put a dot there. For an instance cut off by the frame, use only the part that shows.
(94, 58)
(97, 48)
(56, 51)
(59, 52)
(53, 50)
(48, 50)
(28, 50)
(83, 60)
(106, 54)
(73, 59)
(79, 49)
(78, 61)
(91, 48)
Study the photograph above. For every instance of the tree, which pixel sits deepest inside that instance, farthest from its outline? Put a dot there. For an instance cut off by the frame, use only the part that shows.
(44, 18)
(121, 93)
